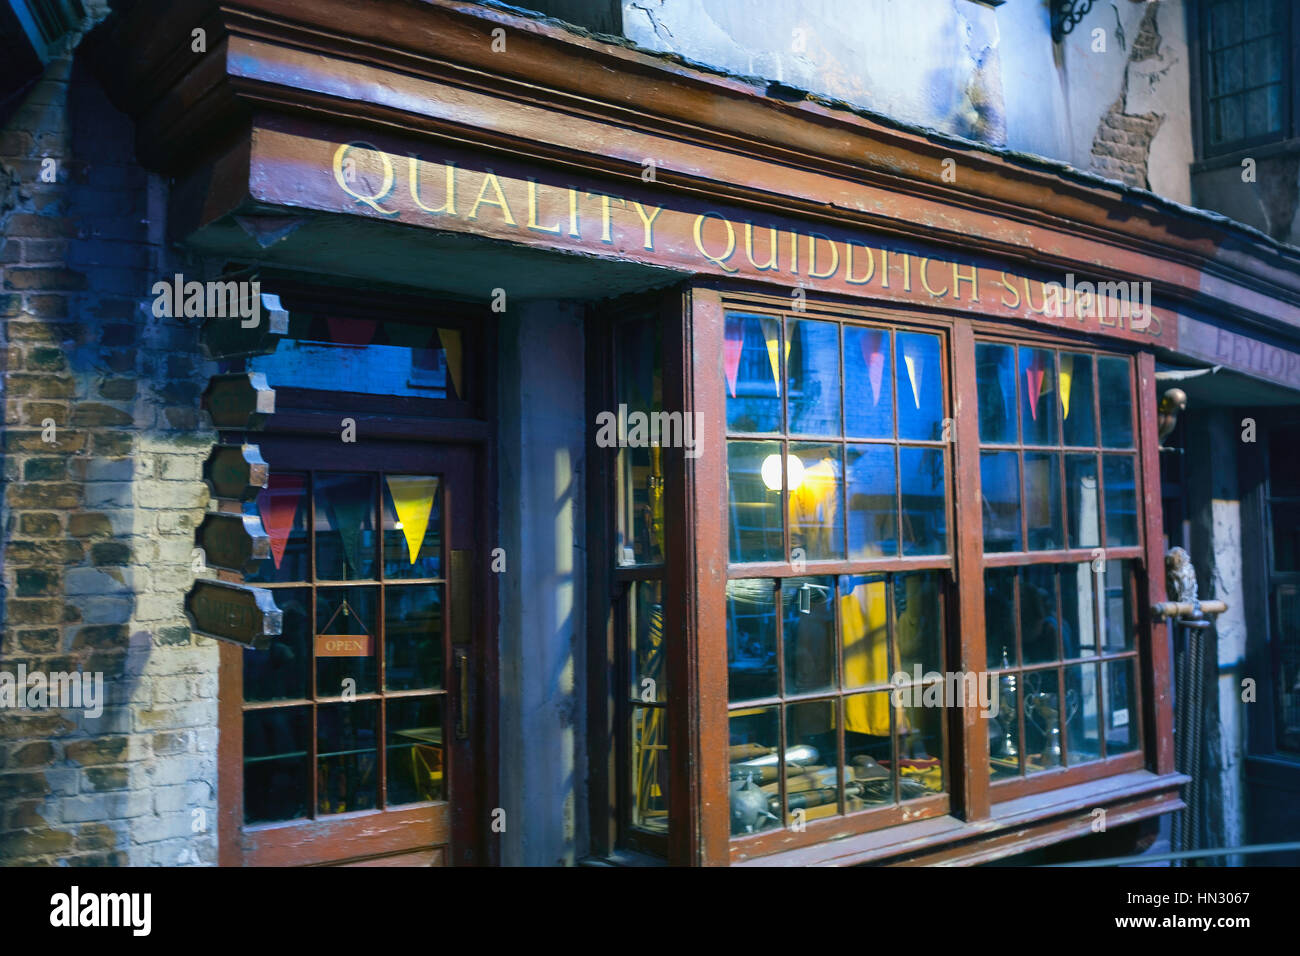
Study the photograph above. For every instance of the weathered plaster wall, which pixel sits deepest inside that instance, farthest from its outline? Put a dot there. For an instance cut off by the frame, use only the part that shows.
(542, 449)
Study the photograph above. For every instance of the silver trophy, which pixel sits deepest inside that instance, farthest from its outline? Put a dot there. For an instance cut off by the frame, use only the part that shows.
(1046, 705)
(1005, 747)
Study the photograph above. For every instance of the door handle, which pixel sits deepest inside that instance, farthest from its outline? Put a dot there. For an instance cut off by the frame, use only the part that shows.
(462, 695)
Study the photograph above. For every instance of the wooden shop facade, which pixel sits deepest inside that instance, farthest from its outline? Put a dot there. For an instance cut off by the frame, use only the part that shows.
(890, 447)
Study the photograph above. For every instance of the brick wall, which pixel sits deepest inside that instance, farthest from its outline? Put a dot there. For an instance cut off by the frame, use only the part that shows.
(98, 523)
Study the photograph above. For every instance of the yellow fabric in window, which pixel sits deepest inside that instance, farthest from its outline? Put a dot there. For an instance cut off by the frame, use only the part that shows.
(814, 510)
(863, 620)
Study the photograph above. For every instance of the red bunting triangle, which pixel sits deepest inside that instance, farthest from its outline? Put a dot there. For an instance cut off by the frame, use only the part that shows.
(732, 346)
(278, 505)
(1034, 375)
(874, 354)
(352, 331)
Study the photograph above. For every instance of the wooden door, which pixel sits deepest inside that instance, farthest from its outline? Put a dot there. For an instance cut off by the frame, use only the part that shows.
(355, 738)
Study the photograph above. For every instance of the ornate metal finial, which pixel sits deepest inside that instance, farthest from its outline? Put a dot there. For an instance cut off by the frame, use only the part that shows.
(1066, 15)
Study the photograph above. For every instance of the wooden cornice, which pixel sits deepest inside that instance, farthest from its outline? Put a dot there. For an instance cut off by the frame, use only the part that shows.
(426, 69)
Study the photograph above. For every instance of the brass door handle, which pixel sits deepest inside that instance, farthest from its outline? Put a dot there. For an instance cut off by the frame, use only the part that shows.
(462, 695)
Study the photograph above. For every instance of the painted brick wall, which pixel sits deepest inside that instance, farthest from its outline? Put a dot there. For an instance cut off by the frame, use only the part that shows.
(98, 523)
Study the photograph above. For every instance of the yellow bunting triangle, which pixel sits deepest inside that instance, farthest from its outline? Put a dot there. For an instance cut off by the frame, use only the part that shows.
(1067, 376)
(914, 376)
(413, 502)
(772, 336)
(450, 339)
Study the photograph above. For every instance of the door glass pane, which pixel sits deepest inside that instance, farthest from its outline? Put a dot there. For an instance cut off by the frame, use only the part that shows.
(924, 508)
(1000, 488)
(1116, 402)
(413, 637)
(1083, 502)
(755, 478)
(812, 778)
(1121, 501)
(995, 376)
(1077, 624)
(1000, 617)
(1043, 501)
(918, 372)
(751, 639)
(1078, 421)
(868, 383)
(864, 624)
(752, 362)
(282, 670)
(347, 757)
(1118, 619)
(276, 764)
(651, 767)
(412, 526)
(873, 506)
(813, 359)
(808, 616)
(416, 765)
(648, 677)
(345, 526)
(346, 644)
(282, 505)
(816, 501)
(1038, 401)
(638, 357)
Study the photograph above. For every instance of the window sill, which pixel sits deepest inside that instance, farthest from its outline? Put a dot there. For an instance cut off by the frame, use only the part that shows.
(1014, 826)
(1234, 158)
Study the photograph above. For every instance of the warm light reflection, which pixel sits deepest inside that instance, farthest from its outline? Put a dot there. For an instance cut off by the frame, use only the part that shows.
(771, 472)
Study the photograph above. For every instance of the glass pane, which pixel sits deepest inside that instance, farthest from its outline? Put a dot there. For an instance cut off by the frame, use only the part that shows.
(868, 751)
(1005, 750)
(1286, 712)
(282, 505)
(1116, 402)
(813, 357)
(1227, 71)
(1082, 501)
(751, 639)
(416, 765)
(1078, 627)
(1286, 535)
(918, 622)
(345, 641)
(281, 672)
(1121, 501)
(412, 526)
(1042, 707)
(1000, 490)
(873, 504)
(925, 512)
(1225, 23)
(816, 502)
(1039, 628)
(1078, 421)
(755, 478)
(345, 527)
(812, 777)
(1283, 475)
(638, 357)
(276, 764)
(650, 768)
(347, 757)
(868, 383)
(995, 377)
(1038, 391)
(918, 372)
(1118, 620)
(413, 637)
(1000, 617)
(752, 361)
(1082, 714)
(1043, 501)
(920, 751)
(1121, 707)
(865, 627)
(808, 619)
(755, 766)
(1227, 119)
(649, 679)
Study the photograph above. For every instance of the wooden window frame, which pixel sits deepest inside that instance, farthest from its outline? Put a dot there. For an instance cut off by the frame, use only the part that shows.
(1139, 784)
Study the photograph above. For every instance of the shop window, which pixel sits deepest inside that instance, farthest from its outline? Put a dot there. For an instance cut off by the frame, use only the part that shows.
(1246, 73)
(838, 471)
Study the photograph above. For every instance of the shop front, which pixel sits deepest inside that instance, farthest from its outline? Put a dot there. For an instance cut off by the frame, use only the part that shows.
(859, 427)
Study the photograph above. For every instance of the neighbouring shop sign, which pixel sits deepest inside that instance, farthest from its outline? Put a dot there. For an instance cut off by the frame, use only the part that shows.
(233, 612)
(1238, 352)
(240, 400)
(225, 337)
(233, 542)
(235, 471)
(458, 191)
